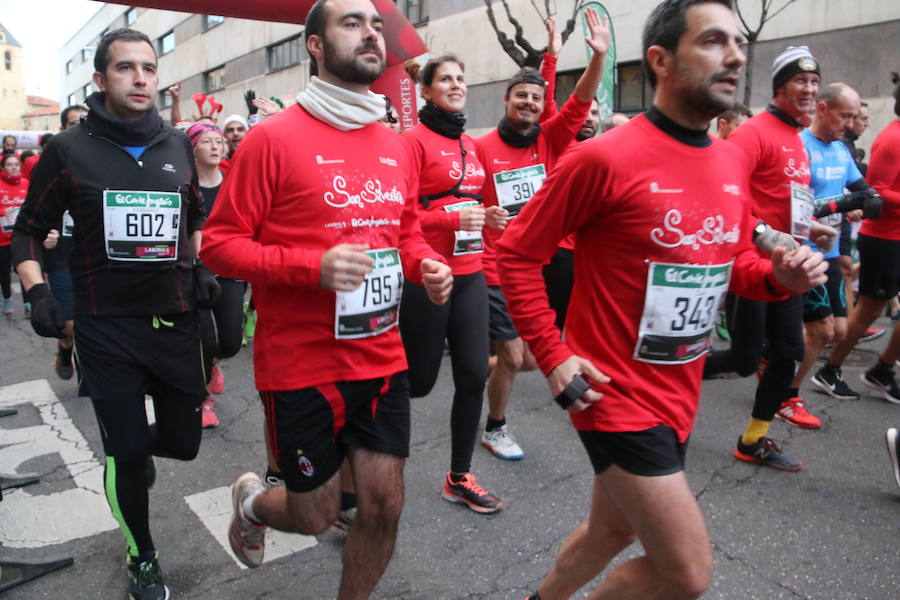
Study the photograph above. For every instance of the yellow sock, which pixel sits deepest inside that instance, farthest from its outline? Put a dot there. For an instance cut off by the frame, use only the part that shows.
(756, 429)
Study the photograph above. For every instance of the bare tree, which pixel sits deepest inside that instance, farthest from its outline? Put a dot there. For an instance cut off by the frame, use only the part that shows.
(769, 9)
(518, 47)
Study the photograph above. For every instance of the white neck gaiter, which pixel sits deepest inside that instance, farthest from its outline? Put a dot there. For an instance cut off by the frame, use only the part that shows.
(339, 107)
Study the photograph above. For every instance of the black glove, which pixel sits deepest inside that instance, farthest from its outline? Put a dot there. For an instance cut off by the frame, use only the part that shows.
(867, 200)
(249, 97)
(46, 314)
(207, 288)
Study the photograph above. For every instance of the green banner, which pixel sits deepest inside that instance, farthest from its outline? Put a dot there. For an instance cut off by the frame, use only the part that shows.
(606, 93)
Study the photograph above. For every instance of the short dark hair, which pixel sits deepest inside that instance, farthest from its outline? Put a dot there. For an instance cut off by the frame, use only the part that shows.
(64, 115)
(6, 156)
(739, 109)
(315, 25)
(45, 139)
(665, 26)
(10, 136)
(101, 55)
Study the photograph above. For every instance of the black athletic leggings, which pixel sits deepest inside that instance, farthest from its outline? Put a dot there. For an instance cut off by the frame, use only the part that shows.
(5, 271)
(222, 326)
(770, 329)
(559, 277)
(463, 321)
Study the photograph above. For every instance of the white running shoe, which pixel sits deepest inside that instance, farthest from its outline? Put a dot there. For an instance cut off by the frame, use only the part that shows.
(502, 444)
(247, 539)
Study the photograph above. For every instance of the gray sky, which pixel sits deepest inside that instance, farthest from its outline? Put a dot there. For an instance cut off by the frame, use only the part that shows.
(42, 27)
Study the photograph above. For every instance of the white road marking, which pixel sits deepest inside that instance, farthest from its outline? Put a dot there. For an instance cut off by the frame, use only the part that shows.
(213, 508)
(29, 520)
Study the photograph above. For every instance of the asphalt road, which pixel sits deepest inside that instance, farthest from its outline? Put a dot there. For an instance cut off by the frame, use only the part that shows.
(827, 532)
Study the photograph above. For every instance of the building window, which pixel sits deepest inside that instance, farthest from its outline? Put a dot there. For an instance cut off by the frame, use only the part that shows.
(7, 57)
(165, 100)
(86, 90)
(210, 21)
(415, 10)
(285, 54)
(130, 16)
(214, 80)
(167, 43)
(68, 67)
(633, 92)
(71, 99)
(85, 54)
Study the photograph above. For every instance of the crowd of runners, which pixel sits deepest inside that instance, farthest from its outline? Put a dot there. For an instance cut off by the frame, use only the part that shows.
(607, 254)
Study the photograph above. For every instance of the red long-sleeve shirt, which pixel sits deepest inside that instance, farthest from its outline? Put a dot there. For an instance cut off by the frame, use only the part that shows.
(497, 156)
(775, 158)
(633, 196)
(12, 197)
(297, 188)
(438, 161)
(884, 176)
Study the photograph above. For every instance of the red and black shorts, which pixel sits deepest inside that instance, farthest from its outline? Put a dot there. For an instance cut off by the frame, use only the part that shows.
(650, 452)
(310, 429)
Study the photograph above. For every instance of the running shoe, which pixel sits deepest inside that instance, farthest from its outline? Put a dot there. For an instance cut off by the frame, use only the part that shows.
(883, 380)
(145, 580)
(833, 384)
(872, 333)
(62, 363)
(344, 520)
(766, 452)
(467, 491)
(208, 416)
(8, 306)
(27, 307)
(247, 539)
(502, 444)
(793, 411)
(216, 381)
(249, 321)
(722, 327)
(894, 452)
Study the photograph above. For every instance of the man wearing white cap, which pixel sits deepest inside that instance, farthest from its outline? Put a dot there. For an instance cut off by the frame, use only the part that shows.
(781, 196)
(234, 128)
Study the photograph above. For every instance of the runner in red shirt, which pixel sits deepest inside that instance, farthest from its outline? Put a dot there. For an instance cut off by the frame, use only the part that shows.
(879, 258)
(326, 234)
(516, 157)
(660, 219)
(452, 217)
(13, 189)
(781, 196)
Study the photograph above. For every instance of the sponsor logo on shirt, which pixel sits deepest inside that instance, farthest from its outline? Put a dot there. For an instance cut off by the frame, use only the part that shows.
(712, 232)
(387, 161)
(830, 173)
(792, 170)
(471, 171)
(731, 188)
(655, 189)
(783, 149)
(497, 161)
(324, 161)
(168, 168)
(372, 192)
(447, 153)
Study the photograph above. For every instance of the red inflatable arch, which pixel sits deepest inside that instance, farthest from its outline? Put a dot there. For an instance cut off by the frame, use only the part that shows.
(400, 37)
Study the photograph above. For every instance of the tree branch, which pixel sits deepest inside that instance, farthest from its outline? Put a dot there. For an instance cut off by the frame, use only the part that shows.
(507, 44)
(520, 31)
(775, 14)
(570, 24)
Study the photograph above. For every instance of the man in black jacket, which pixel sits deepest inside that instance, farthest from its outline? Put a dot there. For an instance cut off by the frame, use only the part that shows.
(129, 184)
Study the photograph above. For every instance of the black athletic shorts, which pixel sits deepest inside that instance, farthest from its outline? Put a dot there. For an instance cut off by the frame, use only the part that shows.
(311, 428)
(879, 267)
(828, 298)
(500, 325)
(651, 452)
(122, 359)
